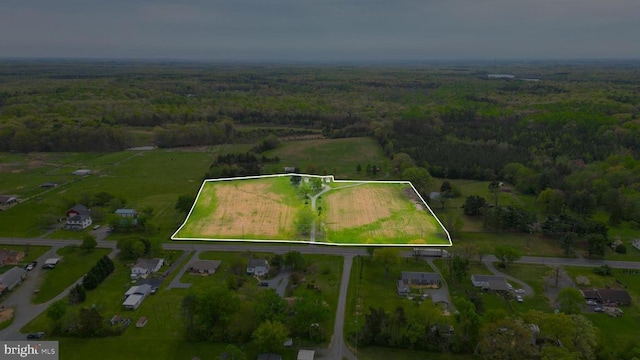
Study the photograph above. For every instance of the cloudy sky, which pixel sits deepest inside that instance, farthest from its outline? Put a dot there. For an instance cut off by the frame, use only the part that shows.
(320, 30)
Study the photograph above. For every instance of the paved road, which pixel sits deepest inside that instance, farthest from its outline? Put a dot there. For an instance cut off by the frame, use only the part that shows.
(176, 283)
(337, 348)
(21, 299)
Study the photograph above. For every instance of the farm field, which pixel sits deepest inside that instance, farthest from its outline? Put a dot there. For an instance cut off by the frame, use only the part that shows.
(379, 213)
(346, 213)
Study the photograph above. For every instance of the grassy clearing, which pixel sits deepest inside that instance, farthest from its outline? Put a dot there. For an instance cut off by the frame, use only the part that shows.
(74, 263)
(337, 157)
(124, 174)
(378, 214)
(244, 209)
(530, 245)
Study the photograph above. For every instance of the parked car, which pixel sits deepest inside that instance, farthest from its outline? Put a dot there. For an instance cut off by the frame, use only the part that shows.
(591, 302)
(96, 227)
(29, 267)
(598, 309)
(509, 286)
(38, 335)
(519, 291)
(264, 283)
(519, 298)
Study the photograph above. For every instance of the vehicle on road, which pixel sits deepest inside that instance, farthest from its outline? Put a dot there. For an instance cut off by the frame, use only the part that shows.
(37, 335)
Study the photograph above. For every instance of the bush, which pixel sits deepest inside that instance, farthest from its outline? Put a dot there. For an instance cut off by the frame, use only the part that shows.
(621, 249)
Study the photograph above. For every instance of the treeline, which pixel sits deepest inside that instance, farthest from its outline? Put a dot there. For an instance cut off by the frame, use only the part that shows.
(39, 136)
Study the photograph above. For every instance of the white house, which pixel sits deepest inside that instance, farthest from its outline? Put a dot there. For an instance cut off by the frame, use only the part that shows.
(257, 267)
(78, 218)
(144, 267)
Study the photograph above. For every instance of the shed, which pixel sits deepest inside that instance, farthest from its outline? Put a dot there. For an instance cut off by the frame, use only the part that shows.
(270, 356)
(132, 302)
(306, 354)
(82, 172)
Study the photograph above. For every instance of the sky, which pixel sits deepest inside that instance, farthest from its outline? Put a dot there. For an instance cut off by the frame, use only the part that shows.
(321, 30)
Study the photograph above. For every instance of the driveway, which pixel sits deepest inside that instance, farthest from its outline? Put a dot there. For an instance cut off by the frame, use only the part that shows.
(279, 282)
(176, 283)
(528, 290)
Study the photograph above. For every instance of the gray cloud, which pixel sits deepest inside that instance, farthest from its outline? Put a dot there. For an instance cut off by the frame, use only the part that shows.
(322, 29)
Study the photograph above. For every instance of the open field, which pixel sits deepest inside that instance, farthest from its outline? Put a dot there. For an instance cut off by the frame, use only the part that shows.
(338, 157)
(264, 208)
(379, 214)
(252, 209)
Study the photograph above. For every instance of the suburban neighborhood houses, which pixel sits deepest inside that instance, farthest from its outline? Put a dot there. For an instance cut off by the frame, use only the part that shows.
(258, 267)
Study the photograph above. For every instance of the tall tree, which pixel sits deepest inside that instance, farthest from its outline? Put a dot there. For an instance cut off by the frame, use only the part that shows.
(505, 339)
(387, 257)
(420, 178)
(270, 336)
(506, 255)
(570, 300)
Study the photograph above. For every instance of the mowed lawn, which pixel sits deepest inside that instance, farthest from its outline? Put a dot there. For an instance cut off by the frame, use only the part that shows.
(337, 157)
(142, 178)
(244, 209)
(379, 213)
(74, 263)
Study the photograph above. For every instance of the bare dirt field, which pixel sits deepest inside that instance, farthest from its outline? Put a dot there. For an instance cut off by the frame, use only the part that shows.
(247, 208)
(361, 205)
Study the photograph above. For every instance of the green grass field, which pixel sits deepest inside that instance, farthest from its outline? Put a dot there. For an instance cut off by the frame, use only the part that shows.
(74, 263)
(349, 213)
(337, 157)
(378, 213)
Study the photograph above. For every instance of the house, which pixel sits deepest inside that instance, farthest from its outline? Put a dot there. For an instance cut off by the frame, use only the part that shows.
(403, 290)
(420, 278)
(489, 282)
(204, 267)
(10, 257)
(257, 267)
(48, 185)
(78, 218)
(133, 302)
(612, 297)
(144, 267)
(8, 200)
(127, 213)
(306, 354)
(13, 277)
(270, 356)
(82, 172)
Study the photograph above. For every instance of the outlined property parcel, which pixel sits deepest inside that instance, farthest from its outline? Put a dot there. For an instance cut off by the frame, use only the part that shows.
(301, 208)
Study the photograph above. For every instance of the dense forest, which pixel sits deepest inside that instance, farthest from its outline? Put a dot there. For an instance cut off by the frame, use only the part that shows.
(568, 131)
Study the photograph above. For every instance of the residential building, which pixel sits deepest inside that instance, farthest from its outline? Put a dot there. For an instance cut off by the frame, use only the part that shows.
(204, 267)
(258, 267)
(78, 218)
(13, 277)
(144, 267)
(6, 200)
(490, 282)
